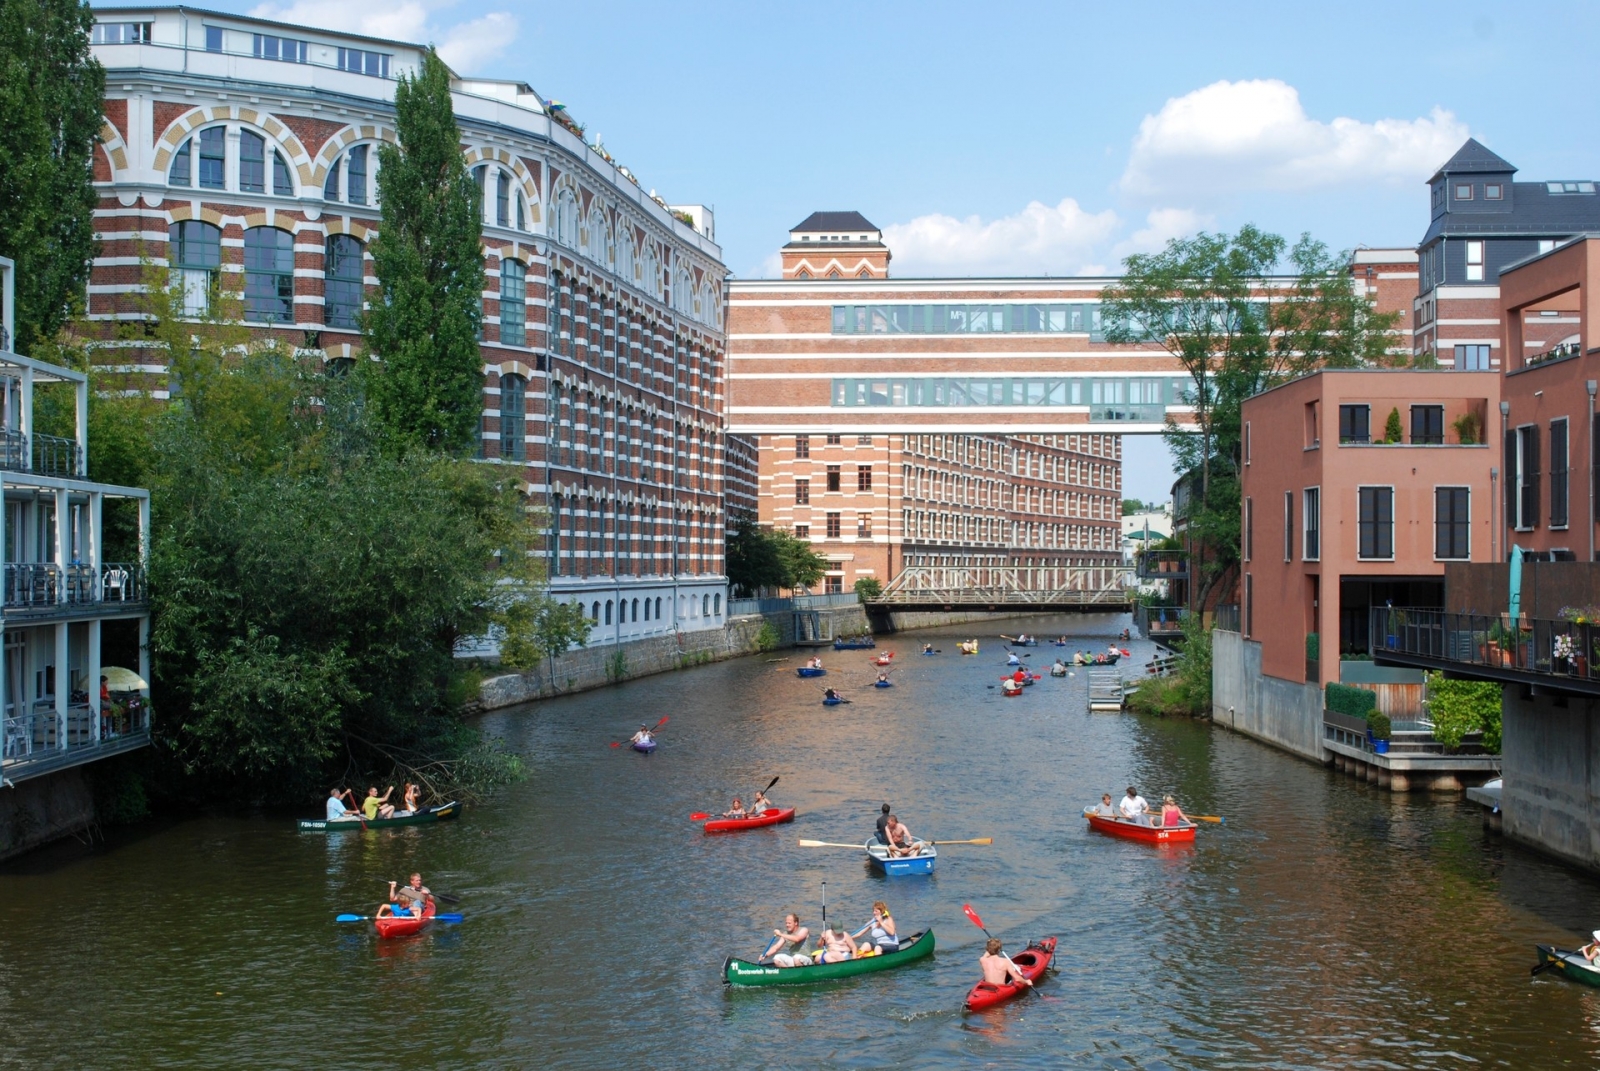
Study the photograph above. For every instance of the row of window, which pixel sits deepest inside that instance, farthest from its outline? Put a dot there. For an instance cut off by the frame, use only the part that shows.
(710, 606)
(802, 444)
(194, 253)
(1427, 424)
(629, 541)
(989, 319)
(802, 487)
(1452, 524)
(1141, 399)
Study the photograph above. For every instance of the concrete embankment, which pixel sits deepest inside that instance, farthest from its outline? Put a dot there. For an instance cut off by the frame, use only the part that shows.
(43, 809)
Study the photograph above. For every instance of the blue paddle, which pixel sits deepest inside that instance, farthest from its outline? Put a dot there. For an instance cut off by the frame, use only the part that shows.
(450, 917)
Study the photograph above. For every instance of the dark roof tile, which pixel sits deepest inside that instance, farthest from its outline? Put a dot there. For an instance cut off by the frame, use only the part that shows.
(835, 221)
(1473, 158)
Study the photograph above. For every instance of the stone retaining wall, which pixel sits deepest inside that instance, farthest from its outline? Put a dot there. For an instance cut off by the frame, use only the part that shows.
(1285, 714)
(42, 809)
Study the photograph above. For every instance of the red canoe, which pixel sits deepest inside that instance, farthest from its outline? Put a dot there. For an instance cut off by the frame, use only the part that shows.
(1122, 827)
(403, 925)
(733, 825)
(1032, 961)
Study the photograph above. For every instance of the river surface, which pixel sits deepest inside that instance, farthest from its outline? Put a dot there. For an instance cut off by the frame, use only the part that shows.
(1327, 923)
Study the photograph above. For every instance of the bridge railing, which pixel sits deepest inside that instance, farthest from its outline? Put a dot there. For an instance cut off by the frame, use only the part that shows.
(1014, 584)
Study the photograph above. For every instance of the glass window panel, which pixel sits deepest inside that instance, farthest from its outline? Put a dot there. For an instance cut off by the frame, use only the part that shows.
(178, 175)
(1058, 393)
(342, 282)
(840, 319)
(1077, 392)
(919, 319)
(897, 392)
(956, 392)
(938, 324)
(878, 318)
(940, 392)
(252, 162)
(861, 392)
(330, 188)
(357, 180)
(513, 308)
(502, 199)
(1077, 319)
(977, 392)
(1058, 318)
(194, 244)
(955, 318)
(269, 275)
(213, 157)
(282, 181)
(1036, 391)
(880, 392)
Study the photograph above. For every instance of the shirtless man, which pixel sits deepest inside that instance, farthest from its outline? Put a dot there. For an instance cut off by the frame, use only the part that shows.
(901, 842)
(413, 894)
(997, 966)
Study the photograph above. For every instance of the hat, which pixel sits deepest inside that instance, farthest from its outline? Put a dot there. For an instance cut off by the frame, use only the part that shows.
(1597, 935)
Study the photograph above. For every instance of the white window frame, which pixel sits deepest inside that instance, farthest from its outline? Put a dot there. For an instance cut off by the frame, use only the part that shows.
(1310, 508)
(1475, 258)
(1288, 526)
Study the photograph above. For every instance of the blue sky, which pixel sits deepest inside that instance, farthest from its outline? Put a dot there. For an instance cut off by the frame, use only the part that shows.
(1018, 138)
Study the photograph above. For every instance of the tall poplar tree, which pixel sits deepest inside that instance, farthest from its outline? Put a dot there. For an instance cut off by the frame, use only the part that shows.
(51, 90)
(427, 393)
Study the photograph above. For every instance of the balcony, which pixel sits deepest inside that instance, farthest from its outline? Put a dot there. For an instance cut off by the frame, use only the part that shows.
(1163, 624)
(39, 589)
(39, 742)
(52, 455)
(1556, 656)
(1164, 565)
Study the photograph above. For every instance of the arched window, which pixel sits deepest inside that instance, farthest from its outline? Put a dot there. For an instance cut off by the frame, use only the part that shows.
(269, 275)
(646, 610)
(608, 611)
(802, 274)
(213, 167)
(502, 198)
(658, 608)
(717, 603)
(342, 287)
(636, 611)
(595, 616)
(567, 218)
(680, 292)
(513, 412)
(513, 303)
(705, 606)
(350, 178)
(194, 252)
(599, 237)
(624, 247)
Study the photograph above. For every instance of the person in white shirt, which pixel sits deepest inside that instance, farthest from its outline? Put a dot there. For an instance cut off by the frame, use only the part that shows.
(1133, 805)
(337, 811)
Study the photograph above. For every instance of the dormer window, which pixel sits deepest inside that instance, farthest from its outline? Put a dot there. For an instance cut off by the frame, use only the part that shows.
(1463, 191)
(1570, 187)
(1494, 191)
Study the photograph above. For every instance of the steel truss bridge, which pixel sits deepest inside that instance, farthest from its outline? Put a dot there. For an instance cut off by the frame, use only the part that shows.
(1077, 589)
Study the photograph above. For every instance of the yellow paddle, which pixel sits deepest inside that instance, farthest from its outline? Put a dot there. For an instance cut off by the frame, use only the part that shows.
(975, 840)
(827, 844)
(1207, 818)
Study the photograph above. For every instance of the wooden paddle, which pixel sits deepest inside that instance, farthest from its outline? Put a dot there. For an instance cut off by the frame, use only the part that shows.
(827, 844)
(975, 840)
(1206, 818)
(701, 816)
(450, 917)
(653, 729)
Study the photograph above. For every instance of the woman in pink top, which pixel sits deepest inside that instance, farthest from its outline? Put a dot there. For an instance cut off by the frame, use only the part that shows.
(1171, 813)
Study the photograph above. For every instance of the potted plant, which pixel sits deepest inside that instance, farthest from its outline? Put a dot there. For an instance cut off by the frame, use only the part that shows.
(1499, 644)
(1396, 621)
(1468, 429)
(1562, 653)
(1392, 431)
(1379, 729)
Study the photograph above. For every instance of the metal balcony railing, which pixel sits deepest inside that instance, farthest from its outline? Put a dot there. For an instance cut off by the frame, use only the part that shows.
(1164, 564)
(1503, 649)
(43, 587)
(55, 456)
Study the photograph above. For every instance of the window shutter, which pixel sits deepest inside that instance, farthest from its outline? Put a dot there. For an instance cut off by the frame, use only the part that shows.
(1533, 477)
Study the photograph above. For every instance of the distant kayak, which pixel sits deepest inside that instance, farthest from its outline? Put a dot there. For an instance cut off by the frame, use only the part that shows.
(403, 925)
(811, 671)
(1032, 961)
(827, 702)
(883, 684)
(644, 746)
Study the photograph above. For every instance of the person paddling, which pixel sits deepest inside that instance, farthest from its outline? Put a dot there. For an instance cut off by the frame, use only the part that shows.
(997, 966)
(901, 842)
(736, 811)
(413, 894)
(793, 938)
(642, 736)
(761, 805)
(1171, 813)
(1133, 805)
(337, 811)
(880, 931)
(1591, 950)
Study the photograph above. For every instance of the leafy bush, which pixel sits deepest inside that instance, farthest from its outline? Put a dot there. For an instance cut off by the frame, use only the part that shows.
(868, 587)
(1461, 707)
(1356, 702)
(1378, 723)
(1468, 429)
(1188, 689)
(1313, 647)
(768, 638)
(1392, 430)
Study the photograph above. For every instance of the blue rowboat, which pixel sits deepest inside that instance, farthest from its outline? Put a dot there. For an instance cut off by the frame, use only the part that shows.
(831, 702)
(807, 671)
(894, 866)
(883, 684)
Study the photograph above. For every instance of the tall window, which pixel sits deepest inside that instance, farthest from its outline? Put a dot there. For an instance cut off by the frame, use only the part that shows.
(252, 162)
(1354, 426)
(1375, 523)
(269, 275)
(833, 477)
(1311, 518)
(802, 446)
(1474, 262)
(1249, 528)
(833, 526)
(1558, 473)
(375, 64)
(863, 526)
(513, 308)
(330, 187)
(802, 492)
(863, 477)
(1523, 447)
(181, 171)
(213, 158)
(502, 199)
(513, 411)
(1452, 523)
(194, 252)
(282, 181)
(1472, 358)
(342, 289)
(356, 175)
(1427, 424)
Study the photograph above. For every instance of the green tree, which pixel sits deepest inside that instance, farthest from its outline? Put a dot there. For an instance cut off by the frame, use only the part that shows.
(427, 391)
(1393, 432)
(51, 90)
(868, 587)
(751, 559)
(1131, 506)
(802, 566)
(542, 627)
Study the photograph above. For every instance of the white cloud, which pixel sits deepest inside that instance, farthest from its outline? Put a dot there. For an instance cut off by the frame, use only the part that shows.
(1060, 240)
(463, 45)
(1162, 225)
(1256, 135)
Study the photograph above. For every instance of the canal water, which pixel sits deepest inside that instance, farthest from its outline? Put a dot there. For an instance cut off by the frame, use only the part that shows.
(1325, 924)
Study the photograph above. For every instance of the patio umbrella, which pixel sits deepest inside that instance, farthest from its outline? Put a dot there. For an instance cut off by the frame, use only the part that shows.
(122, 680)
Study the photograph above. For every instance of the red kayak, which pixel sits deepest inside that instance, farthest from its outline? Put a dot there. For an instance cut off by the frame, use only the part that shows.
(1122, 827)
(403, 925)
(1032, 961)
(734, 825)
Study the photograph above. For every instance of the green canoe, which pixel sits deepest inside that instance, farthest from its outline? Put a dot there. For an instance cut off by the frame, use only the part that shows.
(1568, 964)
(742, 972)
(427, 814)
